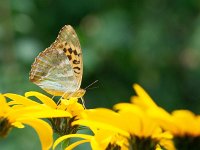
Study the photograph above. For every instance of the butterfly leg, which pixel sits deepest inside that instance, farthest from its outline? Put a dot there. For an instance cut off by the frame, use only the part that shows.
(53, 97)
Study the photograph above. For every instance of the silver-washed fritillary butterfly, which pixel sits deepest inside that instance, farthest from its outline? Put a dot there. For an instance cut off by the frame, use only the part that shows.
(59, 68)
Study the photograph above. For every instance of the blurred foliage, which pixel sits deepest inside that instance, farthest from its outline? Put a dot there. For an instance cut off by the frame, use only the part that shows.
(154, 43)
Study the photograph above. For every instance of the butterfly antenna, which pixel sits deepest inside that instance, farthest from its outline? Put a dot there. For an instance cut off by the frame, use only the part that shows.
(93, 88)
(91, 84)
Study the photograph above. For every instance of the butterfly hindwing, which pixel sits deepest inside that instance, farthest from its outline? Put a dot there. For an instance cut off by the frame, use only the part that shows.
(68, 41)
(52, 71)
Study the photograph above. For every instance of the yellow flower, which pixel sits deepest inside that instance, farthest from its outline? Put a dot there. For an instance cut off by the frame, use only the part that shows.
(146, 103)
(143, 129)
(17, 116)
(72, 106)
(106, 139)
(87, 138)
(187, 122)
(131, 127)
(142, 99)
(101, 140)
(134, 128)
(61, 125)
(183, 124)
(186, 129)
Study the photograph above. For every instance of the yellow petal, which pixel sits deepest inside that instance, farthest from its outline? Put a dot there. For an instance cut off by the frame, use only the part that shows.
(142, 94)
(127, 107)
(187, 122)
(20, 99)
(62, 138)
(18, 124)
(167, 144)
(43, 98)
(39, 111)
(158, 147)
(50, 113)
(72, 146)
(95, 145)
(163, 118)
(4, 108)
(133, 121)
(72, 106)
(102, 138)
(103, 125)
(104, 115)
(43, 130)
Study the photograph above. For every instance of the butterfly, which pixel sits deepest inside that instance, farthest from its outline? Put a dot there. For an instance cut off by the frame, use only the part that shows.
(59, 68)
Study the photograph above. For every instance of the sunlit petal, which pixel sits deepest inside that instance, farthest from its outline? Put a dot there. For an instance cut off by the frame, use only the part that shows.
(96, 124)
(43, 130)
(142, 94)
(62, 138)
(18, 124)
(3, 105)
(72, 146)
(20, 99)
(45, 99)
(39, 111)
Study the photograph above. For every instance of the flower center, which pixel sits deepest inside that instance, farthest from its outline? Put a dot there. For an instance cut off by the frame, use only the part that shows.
(4, 126)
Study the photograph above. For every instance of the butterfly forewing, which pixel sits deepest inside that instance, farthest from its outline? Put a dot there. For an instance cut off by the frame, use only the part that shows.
(52, 71)
(68, 41)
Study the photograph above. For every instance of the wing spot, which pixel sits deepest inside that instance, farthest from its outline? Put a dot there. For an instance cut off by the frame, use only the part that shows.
(76, 72)
(76, 62)
(70, 50)
(75, 52)
(65, 50)
(69, 57)
(78, 68)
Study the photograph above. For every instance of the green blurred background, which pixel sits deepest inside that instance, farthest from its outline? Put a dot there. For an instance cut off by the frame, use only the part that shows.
(154, 43)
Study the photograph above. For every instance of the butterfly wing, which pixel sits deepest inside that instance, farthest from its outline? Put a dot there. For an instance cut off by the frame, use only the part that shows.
(53, 72)
(68, 41)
